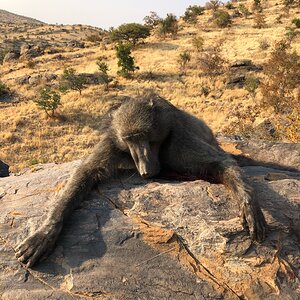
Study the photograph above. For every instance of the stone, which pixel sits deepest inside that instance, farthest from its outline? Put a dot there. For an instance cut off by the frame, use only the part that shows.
(11, 56)
(23, 79)
(4, 169)
(236, 81)
(245, 65)
(155, 239)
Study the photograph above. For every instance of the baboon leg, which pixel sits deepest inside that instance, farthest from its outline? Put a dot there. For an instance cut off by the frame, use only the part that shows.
(101, 164)
(252, 217)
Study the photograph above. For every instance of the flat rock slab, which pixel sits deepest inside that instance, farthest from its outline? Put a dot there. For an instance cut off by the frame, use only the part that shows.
(157, 239)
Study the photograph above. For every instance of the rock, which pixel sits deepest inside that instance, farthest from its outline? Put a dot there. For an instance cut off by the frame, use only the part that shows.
(245, 65)
(155, 239)
(35, 80)
(49, 77)
(23, 79)
(11, 56)
(4, 169)
(75, 44)
(236, 81)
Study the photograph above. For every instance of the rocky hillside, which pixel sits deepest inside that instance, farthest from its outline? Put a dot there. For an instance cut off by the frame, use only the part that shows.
(230, 100)
(8, 17)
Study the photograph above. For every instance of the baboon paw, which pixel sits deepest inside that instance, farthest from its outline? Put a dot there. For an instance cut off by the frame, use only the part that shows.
(31, 250)
(256, 223)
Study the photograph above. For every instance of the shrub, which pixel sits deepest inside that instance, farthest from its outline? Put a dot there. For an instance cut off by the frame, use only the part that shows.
(244, 10)
(256, 6)
(213, 5)
(152, 20)
(72, 81)
(94, 38)
(30, 64)
(169, 25)
(291, 33)
(125, 60)
(259, 21)
(2, 55)
(131, 32)
(183, 60)
(222, 18)
(48, 100)
(192, 12)
(264, 44)
(282, 78)
(229, 5)
(296, 22)
(198, 43)
(103, 69)
(251, 84)
(3, 89)
(211, 63)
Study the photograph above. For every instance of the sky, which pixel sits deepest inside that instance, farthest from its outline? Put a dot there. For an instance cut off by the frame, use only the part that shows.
(103, 14)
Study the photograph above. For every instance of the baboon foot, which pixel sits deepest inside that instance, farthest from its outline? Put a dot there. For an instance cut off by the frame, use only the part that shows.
(254, 221)
(39, 244)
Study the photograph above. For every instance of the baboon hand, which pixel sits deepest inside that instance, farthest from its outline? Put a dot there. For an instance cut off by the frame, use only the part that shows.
(255, 222)
(37, 245)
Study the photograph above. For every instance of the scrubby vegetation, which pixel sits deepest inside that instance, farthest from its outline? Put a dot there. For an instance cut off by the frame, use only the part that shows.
(197, 64)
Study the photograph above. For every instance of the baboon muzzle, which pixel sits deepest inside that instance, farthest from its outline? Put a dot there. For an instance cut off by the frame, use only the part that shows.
(145, 158)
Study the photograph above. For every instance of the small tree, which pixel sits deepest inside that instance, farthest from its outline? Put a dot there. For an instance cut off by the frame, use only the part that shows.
(103, 69)
(169, 25)
(152, 20)
(183, 60)
(213, 5)
(198, 43)
(131, 32)
(48, 100)
(222, 18)
(192, 12)
(72, 81)
(251, 84)
(125, 60)
(244, 10)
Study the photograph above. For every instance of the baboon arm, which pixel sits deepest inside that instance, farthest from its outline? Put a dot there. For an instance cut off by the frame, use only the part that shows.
(199, 158)
(98, 166)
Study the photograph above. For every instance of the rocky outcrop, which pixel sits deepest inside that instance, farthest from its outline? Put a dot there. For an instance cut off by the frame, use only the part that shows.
(155, 239)
(11, 56)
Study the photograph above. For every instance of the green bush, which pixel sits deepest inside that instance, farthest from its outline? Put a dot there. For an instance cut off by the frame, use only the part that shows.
(183, 60)
(198, 43)
(48, 100)
(131, 32)
(72, 81)
(125, 60)
(192, 12)
(296, 22)
(103, 69)
(244, 10)
(251, 84)
(213, 5)
(169, 25)
(222, 18)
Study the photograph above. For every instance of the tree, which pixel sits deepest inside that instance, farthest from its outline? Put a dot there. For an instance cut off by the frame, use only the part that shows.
(183, 60)
(103, 69)
(131, 32)
(72, 81)
(48, 100)
(213, 5)
(169, 25)
(125, 60)
(152, 20)
(192, 12)
(222, 18)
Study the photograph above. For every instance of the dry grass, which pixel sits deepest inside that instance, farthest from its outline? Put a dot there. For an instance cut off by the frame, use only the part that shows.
(28, 137)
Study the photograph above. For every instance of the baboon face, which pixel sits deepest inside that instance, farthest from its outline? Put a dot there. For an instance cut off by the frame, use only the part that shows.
(137, 133)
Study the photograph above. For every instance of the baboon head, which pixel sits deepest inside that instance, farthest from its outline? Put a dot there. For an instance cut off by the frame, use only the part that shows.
(137, 128)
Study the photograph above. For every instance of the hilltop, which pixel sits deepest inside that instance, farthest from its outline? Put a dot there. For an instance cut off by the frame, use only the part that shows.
(42, 52)
(11, 18)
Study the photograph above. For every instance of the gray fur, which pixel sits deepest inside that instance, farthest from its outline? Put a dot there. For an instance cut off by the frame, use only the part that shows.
(153, 136)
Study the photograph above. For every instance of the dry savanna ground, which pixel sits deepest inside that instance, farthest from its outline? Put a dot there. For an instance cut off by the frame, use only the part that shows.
(28, 136)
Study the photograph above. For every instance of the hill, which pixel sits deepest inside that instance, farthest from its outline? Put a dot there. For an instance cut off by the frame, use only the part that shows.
(8, 17)
(223, 100)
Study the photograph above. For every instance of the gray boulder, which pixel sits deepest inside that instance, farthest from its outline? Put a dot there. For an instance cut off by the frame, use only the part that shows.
(155, 239)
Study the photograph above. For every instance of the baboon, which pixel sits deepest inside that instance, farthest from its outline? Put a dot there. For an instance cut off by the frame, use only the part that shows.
(155, 137)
